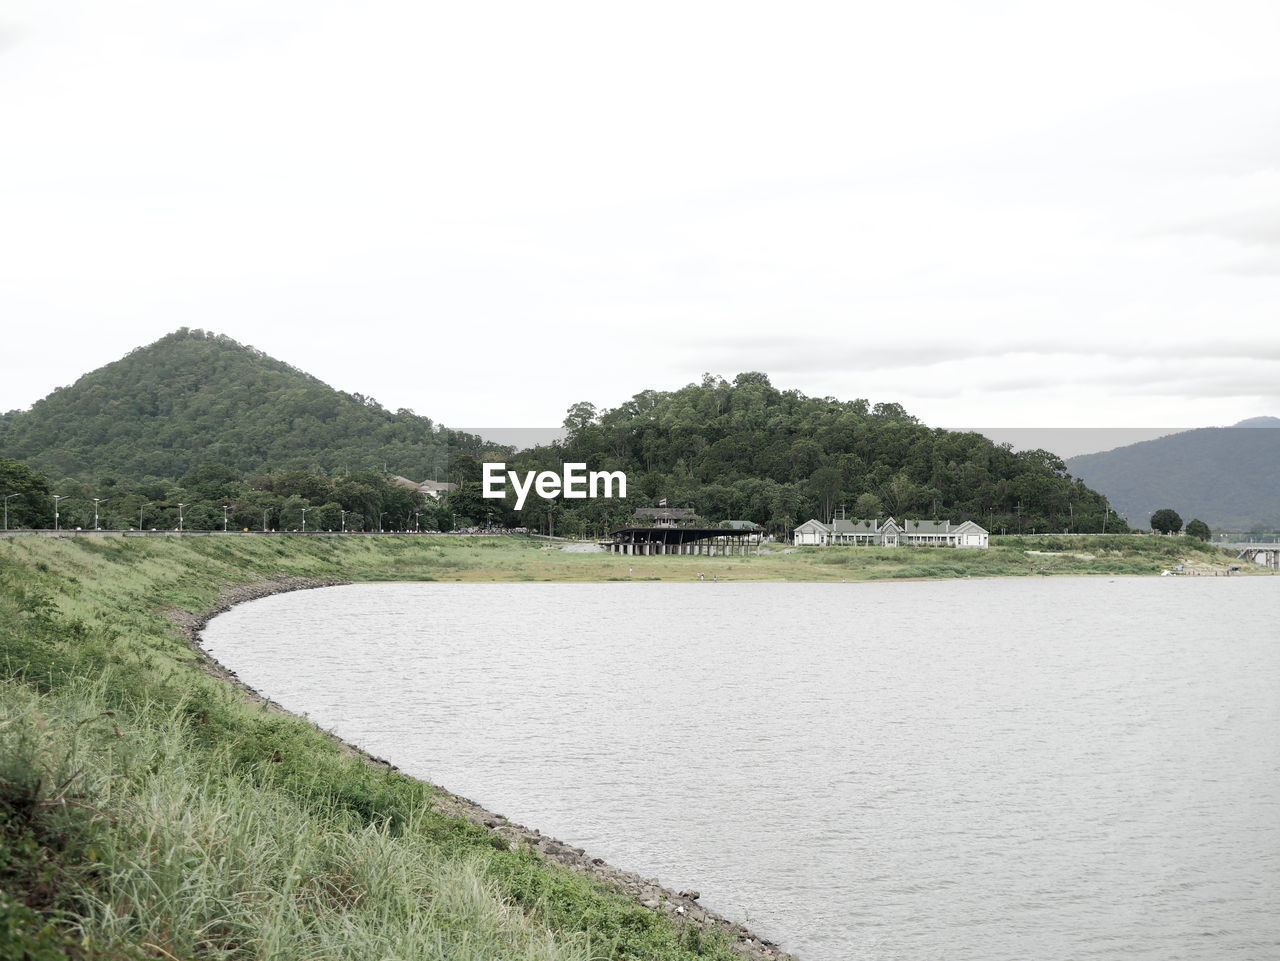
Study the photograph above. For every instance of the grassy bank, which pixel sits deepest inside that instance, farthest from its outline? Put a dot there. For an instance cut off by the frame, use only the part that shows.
(148, 809)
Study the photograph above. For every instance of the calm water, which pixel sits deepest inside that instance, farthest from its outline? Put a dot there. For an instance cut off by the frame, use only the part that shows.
(988, 770)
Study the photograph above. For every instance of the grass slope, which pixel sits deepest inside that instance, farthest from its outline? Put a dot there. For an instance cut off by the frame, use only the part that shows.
(148, 810)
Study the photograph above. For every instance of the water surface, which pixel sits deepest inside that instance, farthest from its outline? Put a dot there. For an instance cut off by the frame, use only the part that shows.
(992, 770)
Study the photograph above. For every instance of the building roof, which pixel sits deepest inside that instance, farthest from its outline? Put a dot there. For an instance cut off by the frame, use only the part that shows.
(740, 525)
(874, 526)
(814, 522)
(916, 526)
(843, 525)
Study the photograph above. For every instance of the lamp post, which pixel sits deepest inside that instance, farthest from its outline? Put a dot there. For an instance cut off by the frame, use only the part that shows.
(56, 498)
(380, 513)
(342, 520)
(265, 511)
(304, 518)
(6, 509)
(225, 508)
(180, 507)
(96, 502)
(142, 508)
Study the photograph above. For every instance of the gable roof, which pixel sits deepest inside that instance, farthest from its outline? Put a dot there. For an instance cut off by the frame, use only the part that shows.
(814, 524)
(916, 526)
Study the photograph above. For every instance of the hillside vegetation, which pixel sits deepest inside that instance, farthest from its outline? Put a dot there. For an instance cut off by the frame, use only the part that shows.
(743, 449)
(194, 398)
(200, 420)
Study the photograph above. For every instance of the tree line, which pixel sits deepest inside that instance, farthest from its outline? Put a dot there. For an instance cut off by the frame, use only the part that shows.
(196, 427)
(214, 495)
(745, 450)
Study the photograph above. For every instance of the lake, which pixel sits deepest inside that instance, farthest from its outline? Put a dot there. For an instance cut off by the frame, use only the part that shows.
(994, 770)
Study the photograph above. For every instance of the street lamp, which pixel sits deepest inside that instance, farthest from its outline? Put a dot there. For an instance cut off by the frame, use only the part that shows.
(6, 509)
(304, 518)
(180, 507)
(265, 511)
(56, 498)
(380, 513)
(225, 508)
(96, 502)
(141, 508)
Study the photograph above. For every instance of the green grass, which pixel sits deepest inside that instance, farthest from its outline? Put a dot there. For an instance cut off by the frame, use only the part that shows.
(149, 810)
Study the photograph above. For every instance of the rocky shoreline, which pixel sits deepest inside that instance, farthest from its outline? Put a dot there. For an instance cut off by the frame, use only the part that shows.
(682, 906)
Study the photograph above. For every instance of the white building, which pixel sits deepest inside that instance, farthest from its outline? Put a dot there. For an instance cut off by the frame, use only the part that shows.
(891, 533)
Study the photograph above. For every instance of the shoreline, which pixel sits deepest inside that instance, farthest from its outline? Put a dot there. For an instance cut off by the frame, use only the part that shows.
(681, 906)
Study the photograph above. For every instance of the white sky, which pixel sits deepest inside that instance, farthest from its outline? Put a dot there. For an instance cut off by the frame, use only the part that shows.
(993, 213)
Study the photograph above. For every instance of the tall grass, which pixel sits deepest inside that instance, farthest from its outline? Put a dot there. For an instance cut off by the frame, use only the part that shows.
(180, 851)
(148, 810)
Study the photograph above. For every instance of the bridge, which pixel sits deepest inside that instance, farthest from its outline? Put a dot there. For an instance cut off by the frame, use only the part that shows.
(1267, 555)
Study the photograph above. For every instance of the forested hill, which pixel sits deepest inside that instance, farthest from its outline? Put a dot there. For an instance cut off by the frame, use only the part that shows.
(194, 397)
(1226, 476)
(745, 449)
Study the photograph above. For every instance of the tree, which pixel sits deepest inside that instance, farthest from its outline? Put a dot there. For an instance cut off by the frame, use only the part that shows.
(825, 484)
(1166, 521)
(1199, 530)
(31, 506)
(867, 505)
(579, 417)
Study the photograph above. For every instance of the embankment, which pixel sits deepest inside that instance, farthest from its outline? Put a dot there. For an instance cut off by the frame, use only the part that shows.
(151, 809)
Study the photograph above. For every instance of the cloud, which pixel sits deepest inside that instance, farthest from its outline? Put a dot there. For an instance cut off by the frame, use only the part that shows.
(1254, 227)
(788, 355)
(10, 36)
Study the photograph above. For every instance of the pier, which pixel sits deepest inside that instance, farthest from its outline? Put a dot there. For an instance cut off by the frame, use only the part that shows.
(706, 541)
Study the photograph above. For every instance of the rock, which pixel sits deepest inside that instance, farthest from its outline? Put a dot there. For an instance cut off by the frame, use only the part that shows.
(691, 895)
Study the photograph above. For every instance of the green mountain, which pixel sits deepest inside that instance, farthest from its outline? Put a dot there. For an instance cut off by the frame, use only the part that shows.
(1226, 476)
(195, 397)
(743, 449)
(201, 409)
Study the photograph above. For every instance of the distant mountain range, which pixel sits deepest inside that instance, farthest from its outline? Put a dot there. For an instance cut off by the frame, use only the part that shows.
(1229, 477)
(195, 397)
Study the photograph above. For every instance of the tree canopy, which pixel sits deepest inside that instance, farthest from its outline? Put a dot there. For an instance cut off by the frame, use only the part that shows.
(27, 497)
(1166, 521)
(195, 397)
(1199, 529)
(200, 420)
(743, 449)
